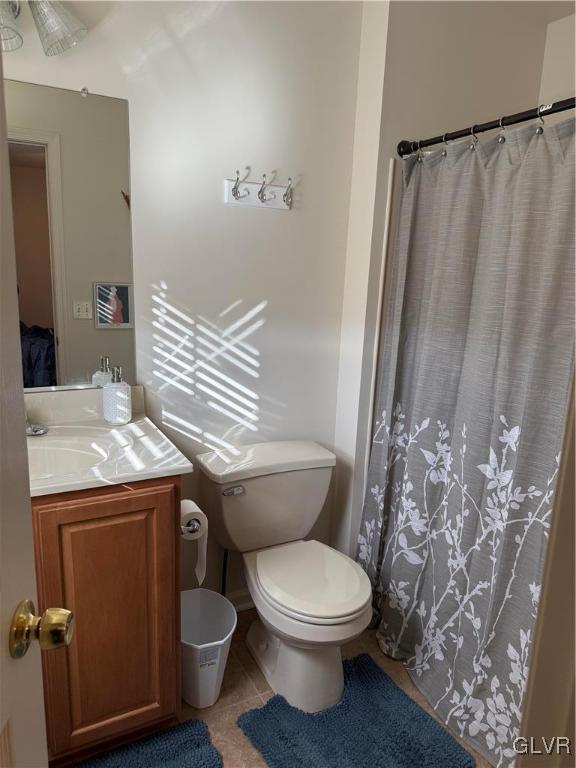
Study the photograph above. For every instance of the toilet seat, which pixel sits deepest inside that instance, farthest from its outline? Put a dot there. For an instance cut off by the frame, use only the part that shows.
(311, 582)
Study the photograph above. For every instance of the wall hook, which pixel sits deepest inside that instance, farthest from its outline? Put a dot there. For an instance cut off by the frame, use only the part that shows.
(236, 187)
(262, 191)
(287, 196)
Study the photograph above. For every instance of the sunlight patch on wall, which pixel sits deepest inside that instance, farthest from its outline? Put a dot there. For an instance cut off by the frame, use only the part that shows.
(209, 362)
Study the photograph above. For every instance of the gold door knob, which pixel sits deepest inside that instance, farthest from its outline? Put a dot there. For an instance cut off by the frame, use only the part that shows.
(53, 629)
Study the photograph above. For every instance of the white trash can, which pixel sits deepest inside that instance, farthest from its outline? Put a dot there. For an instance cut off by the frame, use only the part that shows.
(208, 621)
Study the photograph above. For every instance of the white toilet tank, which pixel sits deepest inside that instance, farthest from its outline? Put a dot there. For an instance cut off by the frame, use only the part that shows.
(264, 494)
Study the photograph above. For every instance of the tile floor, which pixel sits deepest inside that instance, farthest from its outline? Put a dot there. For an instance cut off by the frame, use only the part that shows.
(245, 687)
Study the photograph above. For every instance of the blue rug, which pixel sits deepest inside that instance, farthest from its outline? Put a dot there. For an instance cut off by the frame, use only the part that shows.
(375, 725)
(186, 746)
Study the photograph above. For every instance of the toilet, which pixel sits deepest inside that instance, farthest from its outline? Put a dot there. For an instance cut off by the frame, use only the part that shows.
(262, 500)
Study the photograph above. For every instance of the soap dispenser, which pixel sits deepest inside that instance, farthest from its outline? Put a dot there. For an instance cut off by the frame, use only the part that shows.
(117, 399)
(104, 375)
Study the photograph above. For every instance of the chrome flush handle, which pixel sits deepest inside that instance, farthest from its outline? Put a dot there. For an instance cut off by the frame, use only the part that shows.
(234, 490)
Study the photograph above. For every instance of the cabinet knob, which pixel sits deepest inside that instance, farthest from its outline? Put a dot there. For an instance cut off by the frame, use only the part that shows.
(53, 629)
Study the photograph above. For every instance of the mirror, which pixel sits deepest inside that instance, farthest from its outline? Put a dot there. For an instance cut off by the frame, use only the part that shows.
(69, 167)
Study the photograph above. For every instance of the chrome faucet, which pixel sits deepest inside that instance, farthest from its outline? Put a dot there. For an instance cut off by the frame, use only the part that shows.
(35, 430)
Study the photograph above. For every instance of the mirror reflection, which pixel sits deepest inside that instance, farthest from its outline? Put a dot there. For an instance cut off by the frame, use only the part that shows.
(69, 166)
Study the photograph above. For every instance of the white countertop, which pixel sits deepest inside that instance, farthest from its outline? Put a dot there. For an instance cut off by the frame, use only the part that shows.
(91, 454)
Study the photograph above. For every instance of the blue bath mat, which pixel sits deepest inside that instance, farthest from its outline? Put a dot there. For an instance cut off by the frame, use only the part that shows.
(186, 746)
(375, 725)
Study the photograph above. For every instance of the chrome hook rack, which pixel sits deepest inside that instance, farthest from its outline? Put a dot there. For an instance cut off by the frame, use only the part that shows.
(262, 194)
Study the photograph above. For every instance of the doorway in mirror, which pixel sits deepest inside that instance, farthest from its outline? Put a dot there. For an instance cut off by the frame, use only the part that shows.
(33, 263)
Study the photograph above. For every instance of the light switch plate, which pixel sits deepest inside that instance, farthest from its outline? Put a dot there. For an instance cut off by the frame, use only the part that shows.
(82, 310)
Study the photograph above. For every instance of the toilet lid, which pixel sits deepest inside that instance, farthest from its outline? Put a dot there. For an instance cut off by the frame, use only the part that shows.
(312, 579)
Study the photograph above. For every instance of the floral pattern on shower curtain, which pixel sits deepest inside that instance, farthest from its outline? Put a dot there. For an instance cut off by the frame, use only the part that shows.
(475, 367)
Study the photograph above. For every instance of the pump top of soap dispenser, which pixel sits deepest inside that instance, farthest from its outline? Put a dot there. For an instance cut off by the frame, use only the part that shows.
(103, 375)
(117, 374)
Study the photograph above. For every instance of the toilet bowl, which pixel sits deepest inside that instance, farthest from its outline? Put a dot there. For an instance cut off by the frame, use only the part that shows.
(310, 600)
(262, 500)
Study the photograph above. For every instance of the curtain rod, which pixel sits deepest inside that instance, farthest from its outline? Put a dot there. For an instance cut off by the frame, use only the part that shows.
(406, 148)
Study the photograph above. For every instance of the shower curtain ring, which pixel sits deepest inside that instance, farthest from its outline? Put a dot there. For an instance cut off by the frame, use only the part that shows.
(502, 137)
(474, 138)
(540, 128)
(444, 150)
(419, 156)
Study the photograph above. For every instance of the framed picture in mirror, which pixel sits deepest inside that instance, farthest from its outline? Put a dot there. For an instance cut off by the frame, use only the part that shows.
(113, 305)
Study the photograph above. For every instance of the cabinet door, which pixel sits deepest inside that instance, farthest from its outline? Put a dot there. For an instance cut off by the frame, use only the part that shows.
(111, 559)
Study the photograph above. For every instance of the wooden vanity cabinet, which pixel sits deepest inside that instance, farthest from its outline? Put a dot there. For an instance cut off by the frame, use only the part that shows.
(111, 556)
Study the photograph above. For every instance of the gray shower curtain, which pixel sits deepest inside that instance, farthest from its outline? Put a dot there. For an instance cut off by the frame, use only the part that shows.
(475, 366)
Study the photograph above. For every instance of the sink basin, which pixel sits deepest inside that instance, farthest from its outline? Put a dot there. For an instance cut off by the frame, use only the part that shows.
(66, 451)
(73, 457)
(62, 459)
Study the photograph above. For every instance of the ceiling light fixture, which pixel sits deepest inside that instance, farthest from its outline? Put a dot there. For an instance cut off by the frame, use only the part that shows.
(10, 38)
(57, 27)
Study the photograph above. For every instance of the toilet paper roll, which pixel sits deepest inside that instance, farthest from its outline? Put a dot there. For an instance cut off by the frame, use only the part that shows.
(194, 527)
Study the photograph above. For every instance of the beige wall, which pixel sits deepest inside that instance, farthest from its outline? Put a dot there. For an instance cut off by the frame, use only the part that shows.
(94, 150)
(213, 87)
(32, 238)
(448, 65)
(273, 86)
(558, 76)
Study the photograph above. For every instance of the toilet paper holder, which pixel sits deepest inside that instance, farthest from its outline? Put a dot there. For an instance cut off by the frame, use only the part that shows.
(194, 527)
(190, 526)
